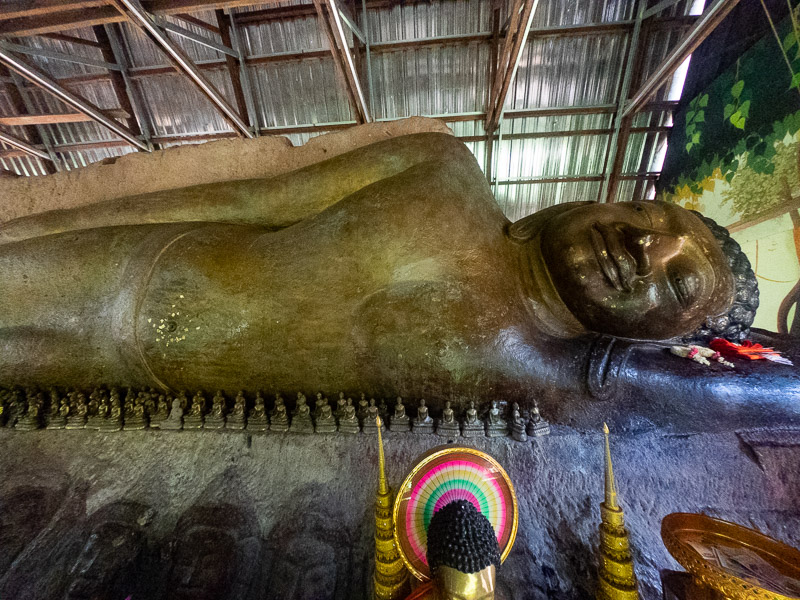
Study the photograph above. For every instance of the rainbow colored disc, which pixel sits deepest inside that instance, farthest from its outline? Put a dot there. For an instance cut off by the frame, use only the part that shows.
(440, 477)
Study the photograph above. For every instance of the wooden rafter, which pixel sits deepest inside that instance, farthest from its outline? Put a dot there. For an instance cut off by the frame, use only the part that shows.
(693, 38)
(32, 131)
(330, 21)
(53, 16)
(118, 82)
(53, 119)
(521, 17)
(233, 64)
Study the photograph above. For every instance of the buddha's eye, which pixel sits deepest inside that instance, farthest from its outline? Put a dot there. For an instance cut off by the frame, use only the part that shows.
(684, 287)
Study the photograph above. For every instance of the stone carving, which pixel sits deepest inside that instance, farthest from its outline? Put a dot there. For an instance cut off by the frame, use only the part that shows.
(326, 422)
(370, 424)
(311, 552)
(383, 411)
(194, 420)
(537, 426)
(112, 560)
(78, 412)
(52, 414)
(31, 419)
(301, 417)
(150, 399)
(400, 421)
(340, 404)
(162, 411)
(517, 424)
(113, 422)
(448, 425)
(320, 402)
(16, 408)
(363, 407)
(135, 411)
(348, 422)
(279, 417)
(27, 510)
(214, 554)
(174, 421)
(423, 423)
(59, 411)
(472, 425)
(216, 418)
(496, 426)
(237, 418)
(549, 278)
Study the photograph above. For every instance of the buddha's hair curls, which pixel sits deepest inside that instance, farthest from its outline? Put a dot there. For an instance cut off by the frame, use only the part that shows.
(735, 325)
(461, 538)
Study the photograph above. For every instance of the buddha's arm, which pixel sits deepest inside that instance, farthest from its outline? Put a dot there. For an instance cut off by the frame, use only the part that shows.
(273, 203)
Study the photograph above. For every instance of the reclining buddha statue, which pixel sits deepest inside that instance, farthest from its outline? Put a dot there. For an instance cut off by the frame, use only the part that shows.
(389, 270)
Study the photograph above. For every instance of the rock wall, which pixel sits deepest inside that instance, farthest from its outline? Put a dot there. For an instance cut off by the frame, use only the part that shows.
(182, 166)
(299, 508)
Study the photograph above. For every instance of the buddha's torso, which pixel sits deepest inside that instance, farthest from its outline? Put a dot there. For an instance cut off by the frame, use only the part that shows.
(342, 300)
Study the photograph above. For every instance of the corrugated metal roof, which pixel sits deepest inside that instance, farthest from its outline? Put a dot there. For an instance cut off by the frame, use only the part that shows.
(295, 85)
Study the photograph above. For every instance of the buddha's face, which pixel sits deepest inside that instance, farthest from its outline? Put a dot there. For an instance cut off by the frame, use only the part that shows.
(452, 584)
(647, 270)
(201, 568)
(109, 551)
(306, 570)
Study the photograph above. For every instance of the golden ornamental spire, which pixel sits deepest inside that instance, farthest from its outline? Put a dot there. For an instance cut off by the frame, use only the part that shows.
(391, 578)
(611, 486)
(383, 486)
(617, 580)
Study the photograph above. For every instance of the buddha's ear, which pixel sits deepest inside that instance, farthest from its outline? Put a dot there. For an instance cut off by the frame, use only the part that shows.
(527, 227)
(524, 229)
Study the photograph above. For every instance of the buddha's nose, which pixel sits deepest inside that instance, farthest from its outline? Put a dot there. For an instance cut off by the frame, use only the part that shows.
(649, 247)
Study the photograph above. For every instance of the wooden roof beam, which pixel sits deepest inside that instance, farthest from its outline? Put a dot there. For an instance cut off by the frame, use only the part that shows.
(331, 22)
(510, 54)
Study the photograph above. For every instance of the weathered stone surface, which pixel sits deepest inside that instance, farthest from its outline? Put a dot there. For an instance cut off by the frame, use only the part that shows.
(183, 166)
(283, 479)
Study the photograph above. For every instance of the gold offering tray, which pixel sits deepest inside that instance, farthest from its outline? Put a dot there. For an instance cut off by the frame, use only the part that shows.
(738, 562)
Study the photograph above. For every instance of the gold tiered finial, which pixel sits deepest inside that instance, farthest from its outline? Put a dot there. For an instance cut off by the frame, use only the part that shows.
(391, 578)
(617, 579)
(611, 486)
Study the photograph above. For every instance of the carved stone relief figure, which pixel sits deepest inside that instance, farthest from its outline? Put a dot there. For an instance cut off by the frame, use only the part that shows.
(310, 557)
(111, 561)
(214, 554)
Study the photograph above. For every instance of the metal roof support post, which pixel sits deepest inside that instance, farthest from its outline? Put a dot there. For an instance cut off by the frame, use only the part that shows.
(615, 153)
(41, 130)
(21, 101)
(24, 146)
(513, 47)
(146, 22)
(368, 54)
(40, 79)
(328, 12)
(699, 32)
(121, 82)
(244, 74)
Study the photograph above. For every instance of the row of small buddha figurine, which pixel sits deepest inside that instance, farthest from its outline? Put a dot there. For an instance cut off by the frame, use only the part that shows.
(105, 411)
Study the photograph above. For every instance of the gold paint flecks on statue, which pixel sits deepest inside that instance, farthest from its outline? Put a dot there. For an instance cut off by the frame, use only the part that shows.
(391, 577)
(617, 580)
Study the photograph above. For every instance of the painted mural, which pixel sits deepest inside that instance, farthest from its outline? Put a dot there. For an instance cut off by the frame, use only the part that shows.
(734, 155)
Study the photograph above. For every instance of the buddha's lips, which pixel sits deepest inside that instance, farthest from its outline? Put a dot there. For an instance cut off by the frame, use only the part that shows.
(617, 276)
